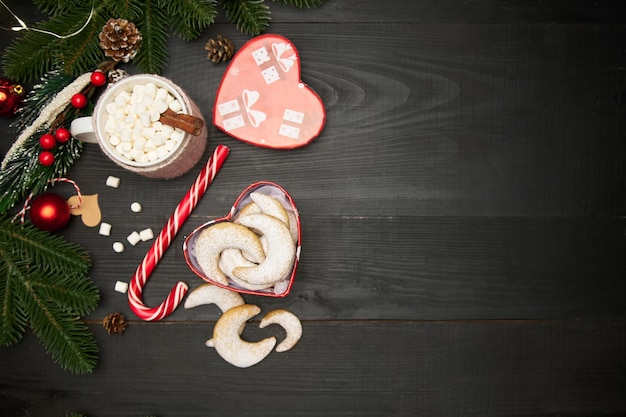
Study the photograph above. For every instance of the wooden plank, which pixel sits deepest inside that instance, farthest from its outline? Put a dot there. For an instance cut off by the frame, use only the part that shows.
(348, 368)
(416, 268)
(436, 119)
(447, 119)
(482, 11)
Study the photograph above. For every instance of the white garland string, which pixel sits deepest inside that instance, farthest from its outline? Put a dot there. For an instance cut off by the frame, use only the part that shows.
(24, 26)
(49, 113)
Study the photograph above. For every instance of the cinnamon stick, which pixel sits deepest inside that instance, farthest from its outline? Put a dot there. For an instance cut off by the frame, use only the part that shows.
(186, 122)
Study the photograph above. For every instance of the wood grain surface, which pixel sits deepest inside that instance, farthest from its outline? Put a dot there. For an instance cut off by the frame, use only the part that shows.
(464, 229)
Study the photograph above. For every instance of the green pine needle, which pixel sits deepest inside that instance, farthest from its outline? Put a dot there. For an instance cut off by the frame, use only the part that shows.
(152, 54)
(44, 283)
(33, 54)
(250, 16)
(188, 18)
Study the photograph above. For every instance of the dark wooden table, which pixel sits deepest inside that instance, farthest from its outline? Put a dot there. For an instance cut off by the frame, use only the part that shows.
(464, 249)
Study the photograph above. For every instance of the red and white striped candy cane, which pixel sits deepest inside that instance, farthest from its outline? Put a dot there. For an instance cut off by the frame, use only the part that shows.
(163, 240)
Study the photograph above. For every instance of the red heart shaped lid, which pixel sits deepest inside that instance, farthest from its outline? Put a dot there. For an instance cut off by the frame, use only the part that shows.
(262, 100)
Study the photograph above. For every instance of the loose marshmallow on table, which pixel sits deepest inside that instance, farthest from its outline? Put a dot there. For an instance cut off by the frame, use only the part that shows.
(133, 238)
(121, 286)
(133, 125)
(146, 234)
(136, 207)
(113, 181)
(105, 229)
(118, 247)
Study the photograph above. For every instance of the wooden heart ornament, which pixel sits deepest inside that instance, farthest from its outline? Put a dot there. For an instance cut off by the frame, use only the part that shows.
(262, 100)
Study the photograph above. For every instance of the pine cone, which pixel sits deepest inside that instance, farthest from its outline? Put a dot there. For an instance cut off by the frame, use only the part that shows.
(116, 75)
(120, 39)
(115, 323)
(220, 50)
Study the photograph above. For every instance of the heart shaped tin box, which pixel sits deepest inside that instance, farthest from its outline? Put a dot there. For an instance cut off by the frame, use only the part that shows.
(217, 255)
(262, 99)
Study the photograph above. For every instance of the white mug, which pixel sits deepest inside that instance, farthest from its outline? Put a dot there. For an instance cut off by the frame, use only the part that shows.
(113, 119)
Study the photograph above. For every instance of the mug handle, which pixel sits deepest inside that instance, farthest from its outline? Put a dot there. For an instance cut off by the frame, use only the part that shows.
(82, 129)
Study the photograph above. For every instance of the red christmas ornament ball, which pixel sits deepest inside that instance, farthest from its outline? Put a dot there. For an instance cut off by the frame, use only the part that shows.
(98, 78)
(79, 101)
(62, 135)
(49, 212)
(47, 141)
(11, 96)
(46, 158)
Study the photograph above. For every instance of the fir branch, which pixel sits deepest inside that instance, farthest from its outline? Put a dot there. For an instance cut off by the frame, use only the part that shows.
(188, 18)
(13, 318)
(43, 281)
(66, 338)
(21, 172)
(126, 9)
(152, 55)
(250, 16)
(33, 54)
(56, 7)
(79, 56)
(30, 56)
(39, 97)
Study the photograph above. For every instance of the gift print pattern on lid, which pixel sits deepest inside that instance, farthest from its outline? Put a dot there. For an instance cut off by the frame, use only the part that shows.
(262, 100)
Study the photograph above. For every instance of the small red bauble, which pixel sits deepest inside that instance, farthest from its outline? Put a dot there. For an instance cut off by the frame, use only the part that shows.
(11, 96)
(49, 212)
(79, 101)
(98, 78)
(62, 135)
(46, 158)
(47, 141)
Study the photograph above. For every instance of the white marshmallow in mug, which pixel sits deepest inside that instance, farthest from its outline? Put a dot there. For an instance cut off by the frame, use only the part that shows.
(134, 127)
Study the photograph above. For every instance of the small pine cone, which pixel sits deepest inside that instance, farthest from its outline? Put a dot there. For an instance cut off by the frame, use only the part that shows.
(120, 39)
(116, 75)
(115, 323)
(220, 50)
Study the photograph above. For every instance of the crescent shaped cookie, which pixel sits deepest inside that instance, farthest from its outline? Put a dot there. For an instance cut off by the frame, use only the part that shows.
(220, 236)
(233, 258)
(288, 321)
(281, 253)
(270, 205)
(212, 294)
(227, 338)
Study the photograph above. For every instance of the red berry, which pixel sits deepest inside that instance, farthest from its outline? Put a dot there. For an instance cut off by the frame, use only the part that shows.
(62, 135)
(47, 141)
(98, 78)
(46, 158)
(79, 101)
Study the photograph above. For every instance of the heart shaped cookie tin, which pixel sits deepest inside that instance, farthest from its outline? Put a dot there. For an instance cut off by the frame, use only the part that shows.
(262, 100)
(255, 248)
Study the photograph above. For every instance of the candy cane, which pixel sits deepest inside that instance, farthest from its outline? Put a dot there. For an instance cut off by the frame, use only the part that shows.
(162, 242)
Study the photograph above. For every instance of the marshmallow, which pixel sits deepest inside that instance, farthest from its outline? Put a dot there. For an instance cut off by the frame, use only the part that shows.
(151, 89)
(161, 94)
(146, 234)
(175, 106)
(121, 286)
(112, 181)
(114, 140)
(134, 118)
(105, 229)
(118, 247)
(133, 238)
(135, 207)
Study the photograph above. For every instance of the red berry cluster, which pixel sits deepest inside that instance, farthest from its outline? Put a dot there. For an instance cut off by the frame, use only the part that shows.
(48, 141)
